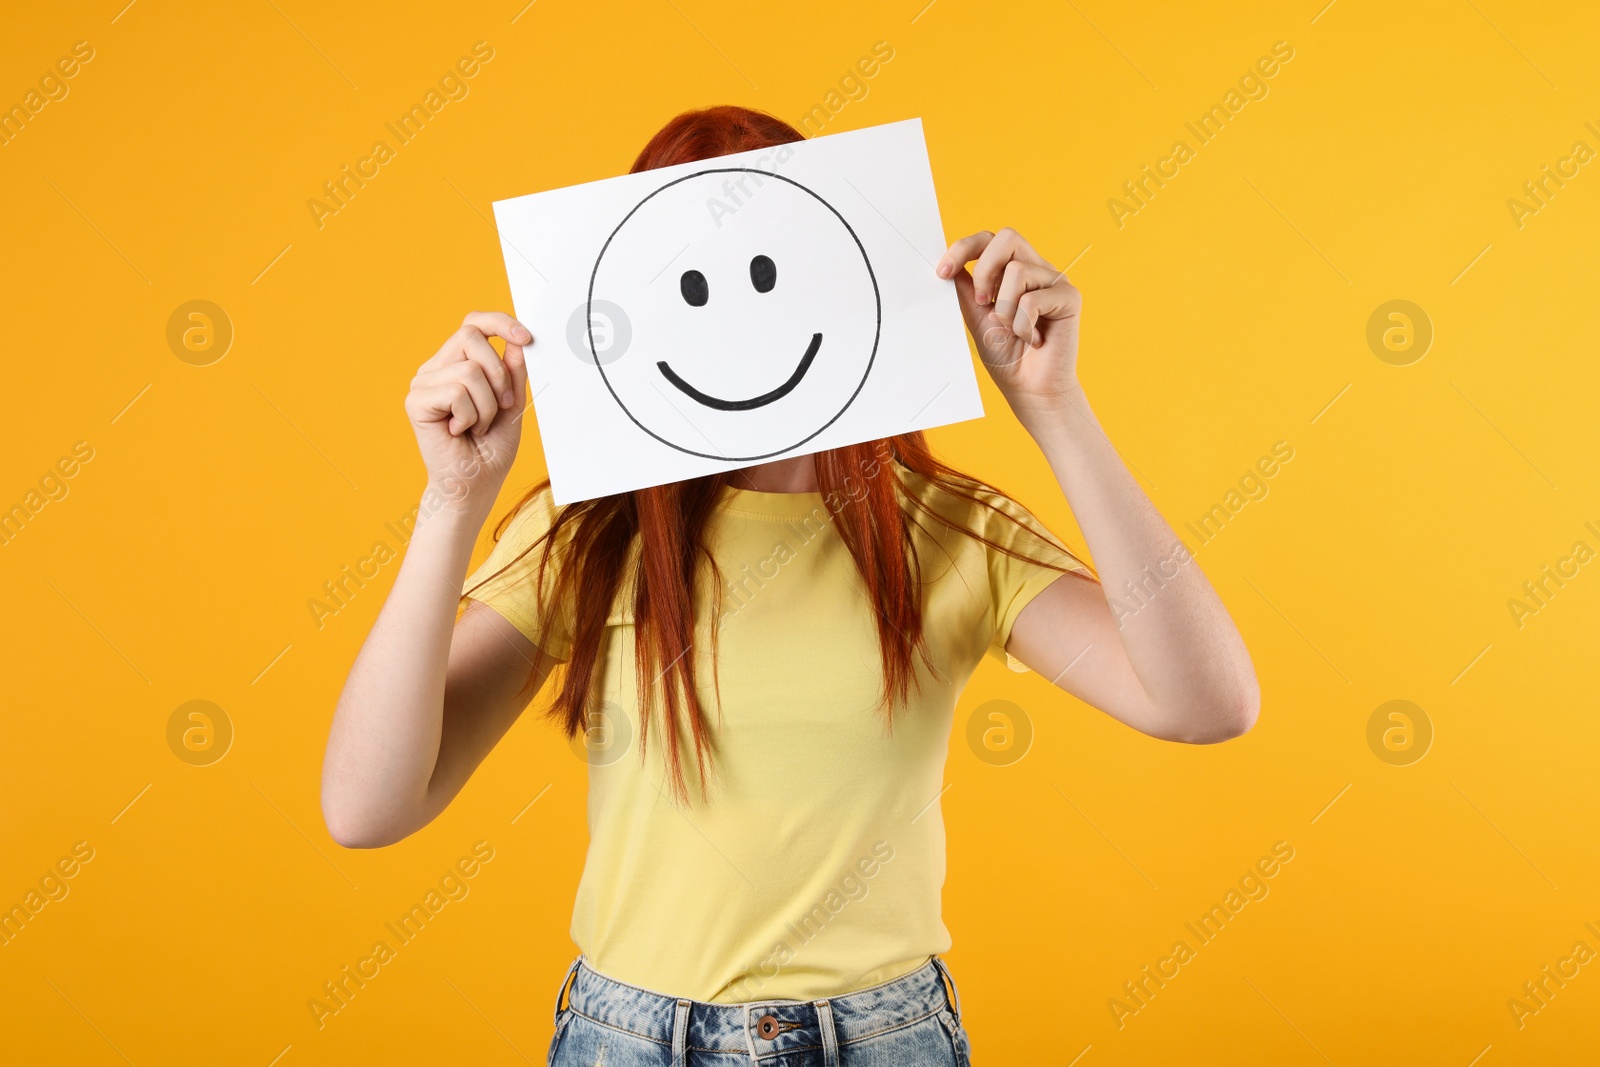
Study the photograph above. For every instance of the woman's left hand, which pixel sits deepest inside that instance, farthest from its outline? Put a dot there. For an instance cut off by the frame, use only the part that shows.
(1023, 314)
(1179, 670)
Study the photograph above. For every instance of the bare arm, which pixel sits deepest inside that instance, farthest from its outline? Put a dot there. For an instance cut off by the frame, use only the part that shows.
(427, 697)
(1168, 660)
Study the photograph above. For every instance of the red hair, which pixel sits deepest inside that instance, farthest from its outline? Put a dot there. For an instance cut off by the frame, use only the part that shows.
(871, 509)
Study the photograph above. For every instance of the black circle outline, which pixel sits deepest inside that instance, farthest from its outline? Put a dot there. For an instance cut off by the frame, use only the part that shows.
(877, 298)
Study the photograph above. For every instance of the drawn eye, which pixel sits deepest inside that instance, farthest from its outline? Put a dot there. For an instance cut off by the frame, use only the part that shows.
(694, 288)
(763, 274)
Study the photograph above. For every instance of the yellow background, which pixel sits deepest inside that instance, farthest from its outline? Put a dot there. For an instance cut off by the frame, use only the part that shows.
(1223, 317)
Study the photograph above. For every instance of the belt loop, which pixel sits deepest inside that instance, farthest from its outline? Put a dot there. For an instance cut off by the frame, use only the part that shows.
(953, 992)
(830, 1040)
(749, 1039)
(680, 1034)
(565, 984)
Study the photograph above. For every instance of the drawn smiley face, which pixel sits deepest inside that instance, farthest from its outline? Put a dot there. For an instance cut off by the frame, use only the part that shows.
(753, 309)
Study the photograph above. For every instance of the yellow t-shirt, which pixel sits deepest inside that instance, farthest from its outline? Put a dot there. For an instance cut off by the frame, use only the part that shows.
(815, 866)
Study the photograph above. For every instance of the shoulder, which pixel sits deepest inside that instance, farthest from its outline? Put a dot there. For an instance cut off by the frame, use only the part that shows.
(975, 505)
(521, 542)
(977, 512)
(530, 520)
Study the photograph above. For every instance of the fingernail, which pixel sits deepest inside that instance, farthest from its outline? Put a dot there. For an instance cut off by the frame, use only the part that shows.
(522, 335)
(1037, 340)
(506, 399)
(982, 298)
(943, 269)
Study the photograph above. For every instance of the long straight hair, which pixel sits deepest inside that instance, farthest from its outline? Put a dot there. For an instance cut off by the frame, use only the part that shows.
(869, 505)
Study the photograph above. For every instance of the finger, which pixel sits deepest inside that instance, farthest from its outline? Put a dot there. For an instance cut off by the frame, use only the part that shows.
(482, 354)
(464, 412)
(969, 304)
(1006, 246)
(961, 253)
(454, 349)
(481, 323)
(468, 345)
(1020, 277)
(438, 403)
(518, 364)
(1060, 301)
(499, 324)
(991, 336)
(1025, 323)
(470, 375)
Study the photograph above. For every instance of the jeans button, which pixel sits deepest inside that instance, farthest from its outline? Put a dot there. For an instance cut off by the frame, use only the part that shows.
(767, 1027)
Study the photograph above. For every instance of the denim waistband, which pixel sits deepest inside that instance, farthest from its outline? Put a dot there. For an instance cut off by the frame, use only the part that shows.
(760, 1028)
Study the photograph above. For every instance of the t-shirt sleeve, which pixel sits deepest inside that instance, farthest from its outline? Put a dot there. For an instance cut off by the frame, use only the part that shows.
(1013, 583)
(507, 580)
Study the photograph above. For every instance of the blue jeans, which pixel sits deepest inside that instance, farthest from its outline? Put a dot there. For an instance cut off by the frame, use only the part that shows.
(909, 1022)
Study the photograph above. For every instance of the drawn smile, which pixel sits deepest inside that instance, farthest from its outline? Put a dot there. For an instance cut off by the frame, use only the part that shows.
(754, 402)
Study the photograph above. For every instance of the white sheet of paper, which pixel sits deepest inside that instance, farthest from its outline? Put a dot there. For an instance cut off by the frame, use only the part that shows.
(712, 315)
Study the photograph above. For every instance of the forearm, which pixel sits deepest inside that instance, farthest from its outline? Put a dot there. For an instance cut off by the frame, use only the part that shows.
(1177, 635)
(384, 743)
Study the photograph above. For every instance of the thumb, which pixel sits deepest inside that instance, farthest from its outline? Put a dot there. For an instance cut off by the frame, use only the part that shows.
(992, 338)
(517, 363)
(966, 296)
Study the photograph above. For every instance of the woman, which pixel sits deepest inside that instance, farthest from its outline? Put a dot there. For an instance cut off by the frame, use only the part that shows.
(769, 660)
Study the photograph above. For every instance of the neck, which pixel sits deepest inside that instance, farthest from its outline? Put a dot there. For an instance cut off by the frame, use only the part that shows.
(796, 475)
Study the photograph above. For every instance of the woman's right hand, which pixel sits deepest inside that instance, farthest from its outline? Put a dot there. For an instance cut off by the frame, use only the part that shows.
(427, 699)
(466, 406)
